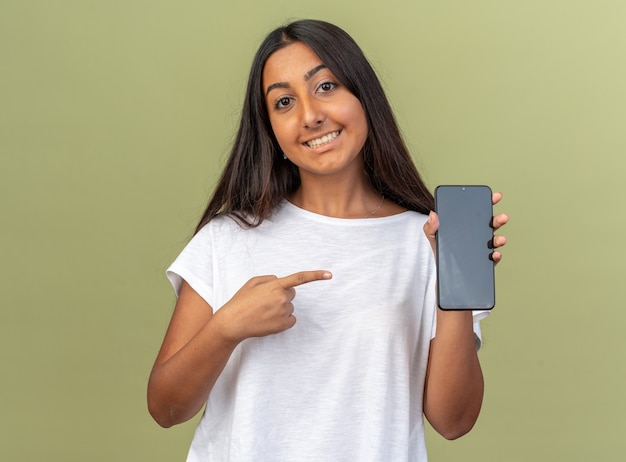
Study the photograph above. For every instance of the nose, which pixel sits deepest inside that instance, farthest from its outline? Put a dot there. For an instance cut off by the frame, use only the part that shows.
(312, 114)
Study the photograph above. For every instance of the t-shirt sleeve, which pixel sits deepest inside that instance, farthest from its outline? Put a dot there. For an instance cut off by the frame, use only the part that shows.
(477, 317)
(195, 265)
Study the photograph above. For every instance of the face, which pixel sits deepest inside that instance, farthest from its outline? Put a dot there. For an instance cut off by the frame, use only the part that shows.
(320, 126)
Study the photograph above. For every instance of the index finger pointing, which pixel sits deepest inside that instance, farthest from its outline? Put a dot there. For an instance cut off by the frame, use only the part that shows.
(303, 277)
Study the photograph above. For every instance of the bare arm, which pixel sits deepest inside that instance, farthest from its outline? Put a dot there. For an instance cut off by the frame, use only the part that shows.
(198, 343)
(192, 356)
(453, 392)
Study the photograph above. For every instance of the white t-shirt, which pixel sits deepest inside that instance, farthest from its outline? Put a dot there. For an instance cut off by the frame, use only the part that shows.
(346, 382)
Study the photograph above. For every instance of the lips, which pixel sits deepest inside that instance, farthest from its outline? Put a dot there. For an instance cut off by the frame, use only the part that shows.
(321, 141)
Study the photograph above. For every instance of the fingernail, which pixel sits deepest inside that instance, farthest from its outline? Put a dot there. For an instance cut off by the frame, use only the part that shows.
(327, 275)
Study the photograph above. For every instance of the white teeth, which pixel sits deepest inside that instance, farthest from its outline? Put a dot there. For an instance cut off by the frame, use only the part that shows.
(316, 143)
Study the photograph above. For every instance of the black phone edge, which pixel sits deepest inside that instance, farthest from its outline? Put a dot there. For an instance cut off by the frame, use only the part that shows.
(437, 248)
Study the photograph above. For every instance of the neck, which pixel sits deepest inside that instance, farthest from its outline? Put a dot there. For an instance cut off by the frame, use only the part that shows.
(336, 198)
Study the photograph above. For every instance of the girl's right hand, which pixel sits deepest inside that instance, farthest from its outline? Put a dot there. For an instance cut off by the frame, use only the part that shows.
(263, 306)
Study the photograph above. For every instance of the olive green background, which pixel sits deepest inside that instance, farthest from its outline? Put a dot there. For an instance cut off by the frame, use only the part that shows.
(115, 119)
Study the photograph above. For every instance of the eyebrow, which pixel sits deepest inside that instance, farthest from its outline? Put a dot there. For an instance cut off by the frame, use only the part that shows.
(307, 76)
(314, 71)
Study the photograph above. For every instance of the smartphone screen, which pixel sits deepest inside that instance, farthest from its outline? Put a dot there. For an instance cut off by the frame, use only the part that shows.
(465, 271)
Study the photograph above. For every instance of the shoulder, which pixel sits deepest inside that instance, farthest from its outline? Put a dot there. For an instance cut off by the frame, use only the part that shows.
(391, 208)
(408, 218)
(220, 225)
(227, 231)
(406, 230)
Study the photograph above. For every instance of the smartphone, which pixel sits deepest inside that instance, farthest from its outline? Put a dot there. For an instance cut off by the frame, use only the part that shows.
(465, 270)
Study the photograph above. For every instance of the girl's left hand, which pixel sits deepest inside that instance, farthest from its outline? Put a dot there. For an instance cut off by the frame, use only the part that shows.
(432, 225)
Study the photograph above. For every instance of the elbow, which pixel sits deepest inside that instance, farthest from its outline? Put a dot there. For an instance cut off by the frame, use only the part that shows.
(161, 415)
(455, 431)
(162, 404)
(453, 418)
(169, 408)
(163, 410)
(168, 413)
(452, 426)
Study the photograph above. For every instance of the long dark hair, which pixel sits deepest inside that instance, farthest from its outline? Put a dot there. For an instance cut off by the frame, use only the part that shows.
(257, 178)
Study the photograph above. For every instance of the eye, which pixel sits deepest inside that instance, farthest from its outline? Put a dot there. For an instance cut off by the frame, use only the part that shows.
(282, 102)
(325, 87)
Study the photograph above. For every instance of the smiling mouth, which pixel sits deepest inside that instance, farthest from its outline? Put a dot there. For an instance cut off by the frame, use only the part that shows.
(317, 142)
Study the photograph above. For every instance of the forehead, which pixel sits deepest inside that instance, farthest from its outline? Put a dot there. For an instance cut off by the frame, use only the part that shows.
(289, 64)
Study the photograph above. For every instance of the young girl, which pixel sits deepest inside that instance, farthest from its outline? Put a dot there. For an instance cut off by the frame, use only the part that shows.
(306, 318)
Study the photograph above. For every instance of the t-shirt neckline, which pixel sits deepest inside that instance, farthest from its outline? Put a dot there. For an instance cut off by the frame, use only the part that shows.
(293, 209)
